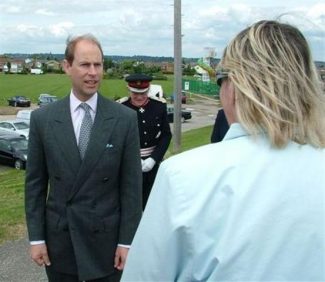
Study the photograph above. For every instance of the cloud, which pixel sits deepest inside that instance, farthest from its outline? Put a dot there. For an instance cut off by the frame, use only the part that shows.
(128, 27)
(61, 29)
(44, 12)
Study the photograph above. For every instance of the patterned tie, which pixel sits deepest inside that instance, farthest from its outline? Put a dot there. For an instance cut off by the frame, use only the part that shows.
(85, 129)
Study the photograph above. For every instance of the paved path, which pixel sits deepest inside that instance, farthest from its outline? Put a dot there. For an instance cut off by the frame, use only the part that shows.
(16, 265)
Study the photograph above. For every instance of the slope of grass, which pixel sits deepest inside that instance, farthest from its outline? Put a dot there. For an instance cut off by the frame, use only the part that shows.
(12, 219)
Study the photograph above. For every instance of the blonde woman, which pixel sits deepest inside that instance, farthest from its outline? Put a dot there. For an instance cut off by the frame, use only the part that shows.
(252, 207)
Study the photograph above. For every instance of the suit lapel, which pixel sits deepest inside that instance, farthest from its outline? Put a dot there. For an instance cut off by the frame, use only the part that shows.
(103, 128)
(64, 134)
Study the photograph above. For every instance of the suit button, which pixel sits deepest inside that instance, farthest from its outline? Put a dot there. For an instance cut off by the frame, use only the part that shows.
(105, 179)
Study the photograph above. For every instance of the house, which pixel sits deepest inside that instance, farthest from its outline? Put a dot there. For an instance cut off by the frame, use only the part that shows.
(167, 67)
(11, 65)
(17, 66)
(53, 65)
(3, 63)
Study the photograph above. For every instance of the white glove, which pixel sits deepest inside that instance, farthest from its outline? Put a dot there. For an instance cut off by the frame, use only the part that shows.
(148, 164)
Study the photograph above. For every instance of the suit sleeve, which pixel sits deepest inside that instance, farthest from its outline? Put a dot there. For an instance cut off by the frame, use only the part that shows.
(36, 182)
(130, 182)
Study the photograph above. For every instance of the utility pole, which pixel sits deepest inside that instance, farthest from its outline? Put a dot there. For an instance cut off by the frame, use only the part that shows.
(177, 75)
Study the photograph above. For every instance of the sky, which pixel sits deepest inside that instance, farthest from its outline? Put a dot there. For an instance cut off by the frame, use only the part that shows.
(145, 27)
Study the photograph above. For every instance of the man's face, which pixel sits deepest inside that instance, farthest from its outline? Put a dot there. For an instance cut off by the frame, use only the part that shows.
(139, 99)
(86, 69)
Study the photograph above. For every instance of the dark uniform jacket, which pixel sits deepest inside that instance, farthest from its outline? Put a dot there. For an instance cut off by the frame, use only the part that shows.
(154, 128)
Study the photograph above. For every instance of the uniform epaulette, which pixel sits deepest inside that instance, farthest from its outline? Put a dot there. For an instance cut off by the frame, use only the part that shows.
(122, 100)
(162, 100)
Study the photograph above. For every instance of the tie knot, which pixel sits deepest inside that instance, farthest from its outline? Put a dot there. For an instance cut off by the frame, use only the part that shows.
(85, 107)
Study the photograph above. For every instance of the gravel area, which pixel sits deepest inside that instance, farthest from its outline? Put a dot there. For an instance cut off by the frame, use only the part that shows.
(16, 265)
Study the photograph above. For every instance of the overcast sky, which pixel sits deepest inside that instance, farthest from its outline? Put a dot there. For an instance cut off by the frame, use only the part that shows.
(145, 27)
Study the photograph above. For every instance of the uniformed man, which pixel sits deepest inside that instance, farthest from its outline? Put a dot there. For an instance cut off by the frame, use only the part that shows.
(154, 129)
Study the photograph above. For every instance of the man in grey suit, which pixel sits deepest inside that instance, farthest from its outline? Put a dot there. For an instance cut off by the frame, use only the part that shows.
(83, 204)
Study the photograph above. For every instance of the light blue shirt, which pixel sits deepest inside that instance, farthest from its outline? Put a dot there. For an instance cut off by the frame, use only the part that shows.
(238, 210)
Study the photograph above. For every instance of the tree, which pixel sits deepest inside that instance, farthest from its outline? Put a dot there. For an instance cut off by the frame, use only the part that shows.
(9, 66)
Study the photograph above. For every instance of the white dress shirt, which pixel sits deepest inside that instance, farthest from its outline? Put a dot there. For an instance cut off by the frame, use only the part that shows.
(77, 113)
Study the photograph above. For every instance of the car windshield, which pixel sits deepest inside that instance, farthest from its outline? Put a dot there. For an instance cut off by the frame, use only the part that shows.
(21, 125)
(19, 144)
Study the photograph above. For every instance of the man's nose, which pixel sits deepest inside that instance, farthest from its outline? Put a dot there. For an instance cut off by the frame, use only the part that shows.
(92, 70)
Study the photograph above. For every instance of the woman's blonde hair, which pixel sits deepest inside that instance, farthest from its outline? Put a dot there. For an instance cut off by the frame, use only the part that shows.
(276, 84)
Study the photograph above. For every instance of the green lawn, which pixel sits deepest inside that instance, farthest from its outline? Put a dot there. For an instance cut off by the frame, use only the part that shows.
(59, 85)
(12, 218)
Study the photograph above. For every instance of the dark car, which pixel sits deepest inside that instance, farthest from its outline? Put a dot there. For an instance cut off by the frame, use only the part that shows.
(13, 150)
(45, 99)
(170, 114)
(19, 101)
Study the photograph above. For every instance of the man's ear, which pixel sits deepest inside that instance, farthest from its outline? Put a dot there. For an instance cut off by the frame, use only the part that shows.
(66, 66)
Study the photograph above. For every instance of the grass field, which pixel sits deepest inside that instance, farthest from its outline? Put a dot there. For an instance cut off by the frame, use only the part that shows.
(59, 85)
(12, 218)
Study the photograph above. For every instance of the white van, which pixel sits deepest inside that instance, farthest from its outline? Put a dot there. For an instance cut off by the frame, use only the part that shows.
(24, 115)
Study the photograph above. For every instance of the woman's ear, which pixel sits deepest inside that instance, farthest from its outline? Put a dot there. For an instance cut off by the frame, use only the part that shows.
(229, 101)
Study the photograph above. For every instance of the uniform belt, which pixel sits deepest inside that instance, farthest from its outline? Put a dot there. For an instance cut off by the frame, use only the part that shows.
(146, 152)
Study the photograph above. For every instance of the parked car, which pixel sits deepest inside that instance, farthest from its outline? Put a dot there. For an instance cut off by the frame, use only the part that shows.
(170, 114)
(45, 99)
(24, 115)
(13, 150)
(15, 126)
(184, 98)
(19, 101)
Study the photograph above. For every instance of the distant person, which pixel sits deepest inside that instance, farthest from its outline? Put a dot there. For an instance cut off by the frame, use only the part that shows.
(249, 208)
(154, 129)
(220, 127)
(83, 178)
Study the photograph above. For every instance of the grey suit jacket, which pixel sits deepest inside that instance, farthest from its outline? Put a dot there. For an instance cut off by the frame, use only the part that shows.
(83, 209)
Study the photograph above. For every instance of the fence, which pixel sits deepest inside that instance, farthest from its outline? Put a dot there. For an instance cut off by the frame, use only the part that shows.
(200, 87)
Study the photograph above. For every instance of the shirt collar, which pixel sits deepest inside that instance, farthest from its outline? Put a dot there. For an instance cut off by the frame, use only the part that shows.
(75, 102)
(235, 131)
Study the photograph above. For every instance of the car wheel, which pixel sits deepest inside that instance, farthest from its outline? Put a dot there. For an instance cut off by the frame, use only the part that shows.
(19, 164)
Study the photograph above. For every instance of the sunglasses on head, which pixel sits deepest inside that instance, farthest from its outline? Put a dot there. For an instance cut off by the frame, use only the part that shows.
(220, 76)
